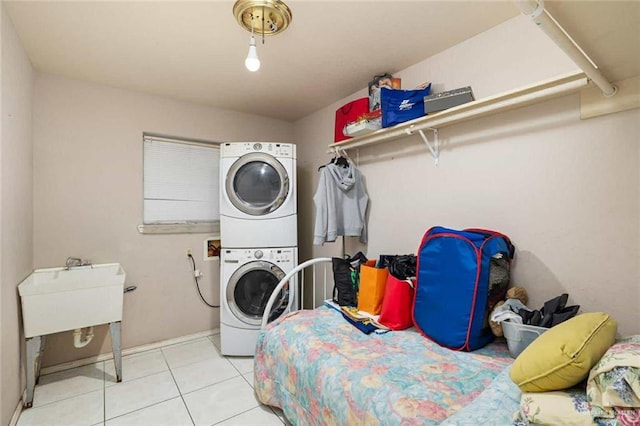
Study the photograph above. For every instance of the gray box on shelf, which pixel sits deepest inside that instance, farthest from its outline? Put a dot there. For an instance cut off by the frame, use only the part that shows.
(445, 100)
(519, 336)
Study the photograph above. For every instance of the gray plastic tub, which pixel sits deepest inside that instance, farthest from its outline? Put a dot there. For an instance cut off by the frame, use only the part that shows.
(519, 336)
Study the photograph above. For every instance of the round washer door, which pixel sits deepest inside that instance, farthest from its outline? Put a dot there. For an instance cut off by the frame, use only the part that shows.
(257, 184)
(249, 289)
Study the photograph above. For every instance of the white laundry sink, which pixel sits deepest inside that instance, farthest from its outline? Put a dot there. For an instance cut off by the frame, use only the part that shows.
(60, 299)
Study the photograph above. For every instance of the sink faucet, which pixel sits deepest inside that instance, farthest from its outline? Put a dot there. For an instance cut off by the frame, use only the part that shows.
(76, 261)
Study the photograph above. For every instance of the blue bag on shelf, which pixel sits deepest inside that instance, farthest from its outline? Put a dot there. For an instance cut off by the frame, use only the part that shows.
(399, 106)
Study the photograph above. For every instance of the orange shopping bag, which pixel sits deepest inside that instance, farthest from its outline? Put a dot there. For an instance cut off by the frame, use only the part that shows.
(372, 285)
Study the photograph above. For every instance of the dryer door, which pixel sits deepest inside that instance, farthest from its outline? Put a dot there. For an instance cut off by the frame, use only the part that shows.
(249, 289)
(257, 184)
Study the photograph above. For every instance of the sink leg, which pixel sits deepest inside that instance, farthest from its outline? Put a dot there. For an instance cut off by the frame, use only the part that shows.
(40, 356)
(114, 330)
(34, 347)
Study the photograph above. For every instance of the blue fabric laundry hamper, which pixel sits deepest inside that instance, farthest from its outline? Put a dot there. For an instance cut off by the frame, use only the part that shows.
(461, 275)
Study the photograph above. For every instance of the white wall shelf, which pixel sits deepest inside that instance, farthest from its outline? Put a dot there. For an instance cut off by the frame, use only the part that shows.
(505, 101)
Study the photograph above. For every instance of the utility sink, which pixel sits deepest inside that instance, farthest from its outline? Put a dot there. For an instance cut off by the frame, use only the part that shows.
(60, 299)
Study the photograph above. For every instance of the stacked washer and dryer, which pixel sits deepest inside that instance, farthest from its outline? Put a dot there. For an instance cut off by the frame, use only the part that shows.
(259, 236)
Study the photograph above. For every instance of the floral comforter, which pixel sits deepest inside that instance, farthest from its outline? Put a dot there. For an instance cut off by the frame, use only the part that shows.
(320, 370)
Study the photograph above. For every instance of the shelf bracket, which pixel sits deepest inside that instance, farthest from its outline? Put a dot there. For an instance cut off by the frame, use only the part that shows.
(433, 147)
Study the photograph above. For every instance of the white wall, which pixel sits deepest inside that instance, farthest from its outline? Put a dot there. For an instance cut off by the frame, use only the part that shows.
(566, 191)
(16, 208)
(88, 202)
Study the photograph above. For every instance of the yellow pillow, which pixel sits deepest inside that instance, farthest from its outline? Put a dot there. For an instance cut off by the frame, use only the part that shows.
(562, 356)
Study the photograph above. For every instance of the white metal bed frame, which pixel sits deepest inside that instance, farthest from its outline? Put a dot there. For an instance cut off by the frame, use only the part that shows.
(299, 272)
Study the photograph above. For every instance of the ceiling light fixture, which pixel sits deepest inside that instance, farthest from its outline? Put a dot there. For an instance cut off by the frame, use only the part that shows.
(266, 17)
(252, 62)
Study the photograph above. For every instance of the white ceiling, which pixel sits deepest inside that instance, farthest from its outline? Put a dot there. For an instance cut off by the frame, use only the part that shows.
(195, 50)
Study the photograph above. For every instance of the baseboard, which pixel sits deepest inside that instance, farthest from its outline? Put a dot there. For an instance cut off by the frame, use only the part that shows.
(130, 351)
(16, 414)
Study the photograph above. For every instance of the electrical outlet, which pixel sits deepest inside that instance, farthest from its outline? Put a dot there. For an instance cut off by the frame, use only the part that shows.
(188, 252)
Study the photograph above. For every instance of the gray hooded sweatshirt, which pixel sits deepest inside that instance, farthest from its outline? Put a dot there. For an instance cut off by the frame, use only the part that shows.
(341, 203)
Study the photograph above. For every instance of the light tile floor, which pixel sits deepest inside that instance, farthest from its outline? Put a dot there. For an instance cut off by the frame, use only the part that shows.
(185, 384)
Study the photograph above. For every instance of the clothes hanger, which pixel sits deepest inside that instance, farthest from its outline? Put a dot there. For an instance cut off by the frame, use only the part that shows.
(342, 162)
(344, 159)
(333, 160)
(336, 157)
(340, 158)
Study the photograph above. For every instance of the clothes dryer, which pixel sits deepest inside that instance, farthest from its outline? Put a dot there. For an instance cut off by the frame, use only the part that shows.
(258, 205)
(248, 278)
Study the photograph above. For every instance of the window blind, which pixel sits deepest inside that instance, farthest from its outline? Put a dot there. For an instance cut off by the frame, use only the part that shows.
(181, 181)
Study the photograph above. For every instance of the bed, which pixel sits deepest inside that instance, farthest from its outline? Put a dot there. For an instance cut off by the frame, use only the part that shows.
(321, 370)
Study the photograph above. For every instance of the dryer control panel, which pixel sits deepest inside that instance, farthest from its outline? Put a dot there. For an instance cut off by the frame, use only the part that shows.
(274, 255)
(238, 149)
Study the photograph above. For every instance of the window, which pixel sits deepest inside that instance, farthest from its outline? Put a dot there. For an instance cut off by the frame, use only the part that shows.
(181, 186)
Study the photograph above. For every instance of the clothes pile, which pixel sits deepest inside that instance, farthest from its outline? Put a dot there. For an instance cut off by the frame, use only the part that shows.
(552, 313)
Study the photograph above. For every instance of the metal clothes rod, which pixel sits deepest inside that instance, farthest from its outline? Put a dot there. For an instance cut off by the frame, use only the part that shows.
(535, 11)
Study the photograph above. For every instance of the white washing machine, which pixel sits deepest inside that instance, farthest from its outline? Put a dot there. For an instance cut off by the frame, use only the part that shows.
(258, 206)
(248, 278)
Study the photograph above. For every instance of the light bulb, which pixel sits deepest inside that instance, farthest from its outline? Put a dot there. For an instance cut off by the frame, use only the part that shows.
(252, 62)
